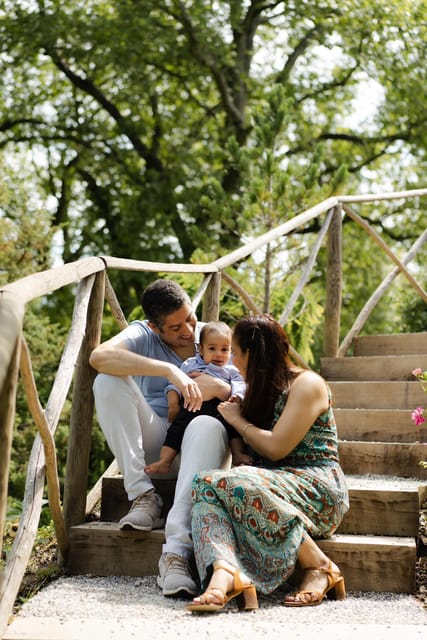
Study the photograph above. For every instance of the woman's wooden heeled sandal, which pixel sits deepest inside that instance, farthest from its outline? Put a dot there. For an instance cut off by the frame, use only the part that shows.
(309, 598)
(245, 595)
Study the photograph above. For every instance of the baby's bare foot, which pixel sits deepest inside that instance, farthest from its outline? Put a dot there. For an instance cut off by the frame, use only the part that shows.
(158, 467)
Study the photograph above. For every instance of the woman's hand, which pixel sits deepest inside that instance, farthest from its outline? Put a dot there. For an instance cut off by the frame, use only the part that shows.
(231, 412)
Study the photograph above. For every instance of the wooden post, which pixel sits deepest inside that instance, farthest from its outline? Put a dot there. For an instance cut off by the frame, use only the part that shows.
(333, 286)
(211, 299)
(11, 317)
(75, 486)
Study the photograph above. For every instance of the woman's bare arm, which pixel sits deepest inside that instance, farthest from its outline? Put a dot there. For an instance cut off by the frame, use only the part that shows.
(307, 399)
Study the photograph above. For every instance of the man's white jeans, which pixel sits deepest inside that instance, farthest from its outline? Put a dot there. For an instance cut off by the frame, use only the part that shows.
(135, 434)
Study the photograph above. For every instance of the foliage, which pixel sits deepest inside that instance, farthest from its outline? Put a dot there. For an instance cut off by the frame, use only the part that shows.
(26, 234)
(154, 127)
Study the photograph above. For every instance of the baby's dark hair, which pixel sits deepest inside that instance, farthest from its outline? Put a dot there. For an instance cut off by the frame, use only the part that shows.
(161, 298)
(215, 326)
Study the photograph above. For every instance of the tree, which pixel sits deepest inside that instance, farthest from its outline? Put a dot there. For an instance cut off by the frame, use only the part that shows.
(145, 114)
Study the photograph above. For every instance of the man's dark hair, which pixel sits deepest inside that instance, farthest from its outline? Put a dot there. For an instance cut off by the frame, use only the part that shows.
(161, 298)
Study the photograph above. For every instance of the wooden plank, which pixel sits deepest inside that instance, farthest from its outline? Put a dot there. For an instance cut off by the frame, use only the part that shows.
(392, 459)
(391, 344)
(39, 417)
(377, 295)
(376, 197)
(24, 540)
(380, 425)
(157, 267)
(374, 563)
(40, 284)
(211, 299)
(65, 372)
(306, 272)
(365, 368)
(79, 443)
(369, 563)
(377, 506)
(101, 548)
(7, 418)
(332, 320)
(11, 320)
(377, 395)
(382, 512)
(384, 247)
(275, 234)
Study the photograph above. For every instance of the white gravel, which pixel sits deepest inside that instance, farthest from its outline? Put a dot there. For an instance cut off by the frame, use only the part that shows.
(120, 608)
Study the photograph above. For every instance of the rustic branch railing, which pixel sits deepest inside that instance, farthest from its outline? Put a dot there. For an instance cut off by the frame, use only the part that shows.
(93, 283)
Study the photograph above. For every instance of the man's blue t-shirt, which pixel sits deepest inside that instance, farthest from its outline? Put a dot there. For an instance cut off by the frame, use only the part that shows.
(142, 340)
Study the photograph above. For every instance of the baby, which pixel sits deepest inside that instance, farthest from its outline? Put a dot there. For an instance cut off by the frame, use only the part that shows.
(214, 359)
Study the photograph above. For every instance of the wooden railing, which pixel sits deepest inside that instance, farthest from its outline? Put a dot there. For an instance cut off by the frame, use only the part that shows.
(91, 275)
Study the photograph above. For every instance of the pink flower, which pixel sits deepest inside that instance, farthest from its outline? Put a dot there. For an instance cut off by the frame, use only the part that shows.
(416, 372)
(417, 416)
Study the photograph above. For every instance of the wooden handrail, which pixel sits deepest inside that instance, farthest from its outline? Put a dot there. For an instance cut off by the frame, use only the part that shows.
(274, 234)
(307, 269)
(378, 293)
(157, 267)
(39, 418)
(21, 549)
(331, 332)
(75, 486)
(40, 284)
(377, 197)
(380, 242)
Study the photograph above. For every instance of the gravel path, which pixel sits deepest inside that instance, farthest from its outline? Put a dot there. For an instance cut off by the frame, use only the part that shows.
(83, 607)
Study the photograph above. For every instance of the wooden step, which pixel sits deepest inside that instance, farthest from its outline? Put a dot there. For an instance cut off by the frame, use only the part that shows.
(367, 368)
(381, 425)
(383, 458)
(374, 563)
(369, 563)
(378, 505)
(115, 503)
(102, 549)
(391, 344)
(377, 395)
(382, 506)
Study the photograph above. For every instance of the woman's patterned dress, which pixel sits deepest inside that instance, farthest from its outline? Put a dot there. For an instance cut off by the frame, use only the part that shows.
(255, 516)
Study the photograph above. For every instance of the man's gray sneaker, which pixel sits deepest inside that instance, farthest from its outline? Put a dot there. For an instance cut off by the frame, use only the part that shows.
(145, 513)
(175, 577)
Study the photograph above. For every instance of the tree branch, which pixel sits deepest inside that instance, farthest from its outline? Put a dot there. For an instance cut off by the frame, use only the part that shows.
(283, 75)
(87, 86)
(206, 60)
(6, 125)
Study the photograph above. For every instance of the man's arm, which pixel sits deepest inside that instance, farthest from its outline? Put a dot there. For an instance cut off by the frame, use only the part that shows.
(114, 358)
(212, 387)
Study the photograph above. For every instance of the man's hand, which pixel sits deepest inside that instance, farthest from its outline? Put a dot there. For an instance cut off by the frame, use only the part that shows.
(211, 387)
(191, 394)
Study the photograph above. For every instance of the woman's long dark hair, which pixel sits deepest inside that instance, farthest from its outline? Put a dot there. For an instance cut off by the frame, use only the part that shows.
(269, 367)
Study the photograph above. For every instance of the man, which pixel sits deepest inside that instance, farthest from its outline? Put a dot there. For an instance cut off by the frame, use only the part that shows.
(134, 368)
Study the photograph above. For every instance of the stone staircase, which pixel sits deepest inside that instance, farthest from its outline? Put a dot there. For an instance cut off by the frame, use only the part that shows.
(376, 545)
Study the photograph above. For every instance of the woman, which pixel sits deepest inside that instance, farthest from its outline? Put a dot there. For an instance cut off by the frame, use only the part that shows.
(251, 524)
